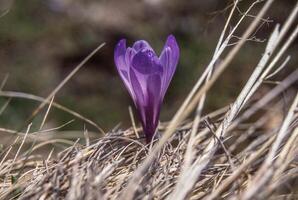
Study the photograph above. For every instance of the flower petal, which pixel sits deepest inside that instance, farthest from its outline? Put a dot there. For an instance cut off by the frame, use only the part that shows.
(122, 67)
(154, 97)
(119, 54)
(130, 53)
(169, 59)
(165, 59)
(172, 44)
(141, 44)
(150, 111)
(139, 94)
(146, 62)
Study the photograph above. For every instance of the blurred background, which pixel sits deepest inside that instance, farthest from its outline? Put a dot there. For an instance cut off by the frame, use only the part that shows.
(42, 41)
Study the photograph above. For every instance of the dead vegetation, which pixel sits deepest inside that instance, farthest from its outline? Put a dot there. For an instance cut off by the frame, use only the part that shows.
(102, 170)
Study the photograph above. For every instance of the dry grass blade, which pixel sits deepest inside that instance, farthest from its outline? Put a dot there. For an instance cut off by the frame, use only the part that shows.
(64, 81)
(266, 171)
(12, 94)
(2, 109)
(47, 113)
(4, 81)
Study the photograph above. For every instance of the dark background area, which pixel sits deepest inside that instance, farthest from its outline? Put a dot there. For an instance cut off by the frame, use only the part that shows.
(42, 41)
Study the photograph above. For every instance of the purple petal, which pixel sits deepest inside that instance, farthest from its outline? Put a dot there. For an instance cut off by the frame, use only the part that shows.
(169, 59)
(124, 74)
(139, 94)
(172, 44)
(141, 44)
(139, 84)
(146, 62)
(130, 53)
(119, 54)
(150, 112)
(122, 67)
(165, 59)
(154, 96)
(119, 58)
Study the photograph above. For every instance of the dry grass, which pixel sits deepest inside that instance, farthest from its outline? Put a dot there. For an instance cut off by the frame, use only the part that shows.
(246, 150)
(102, 170)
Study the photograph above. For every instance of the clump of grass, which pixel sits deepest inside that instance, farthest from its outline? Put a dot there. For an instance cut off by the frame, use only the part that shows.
(246, 150)
(103, 169)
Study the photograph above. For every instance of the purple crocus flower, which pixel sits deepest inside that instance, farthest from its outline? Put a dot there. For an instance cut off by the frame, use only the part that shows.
(147, 77)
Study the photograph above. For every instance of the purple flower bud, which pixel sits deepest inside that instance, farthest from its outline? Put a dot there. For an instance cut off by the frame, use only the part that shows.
(147, 77)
